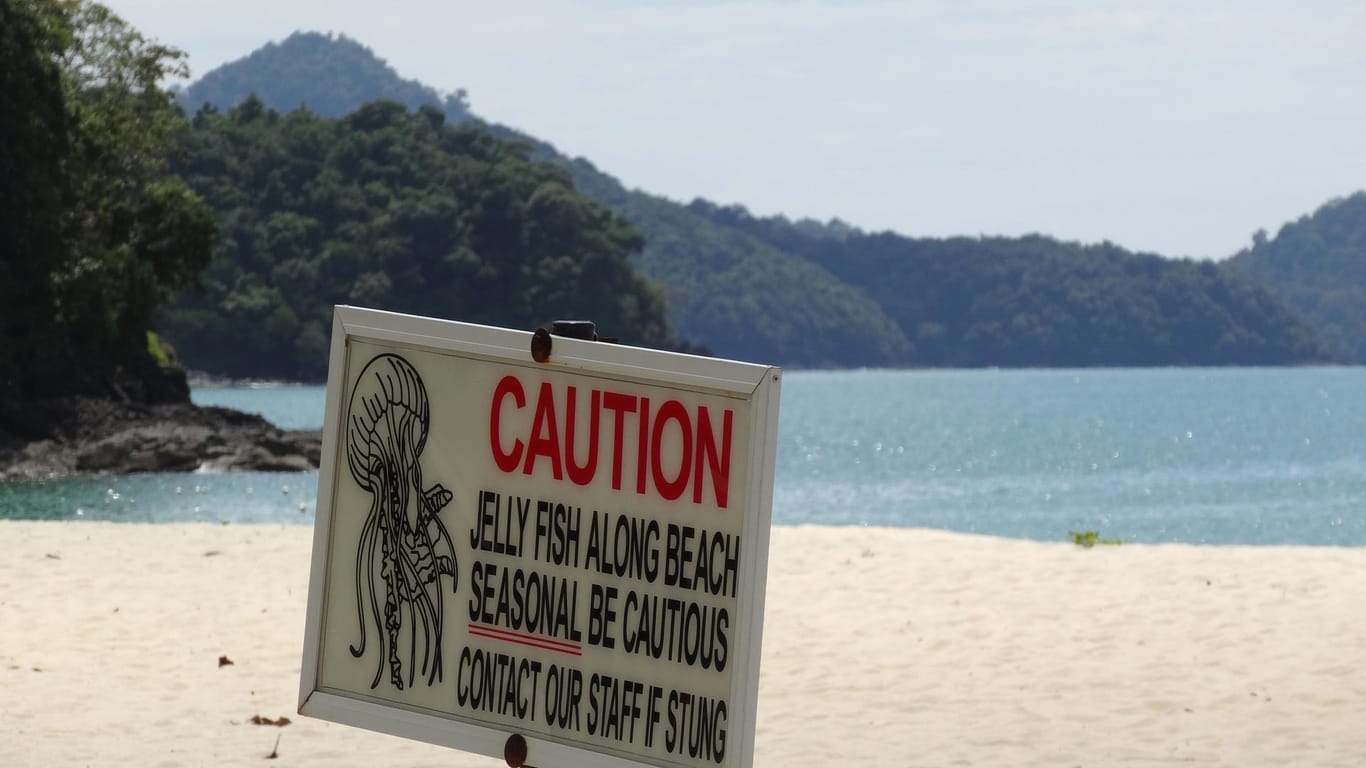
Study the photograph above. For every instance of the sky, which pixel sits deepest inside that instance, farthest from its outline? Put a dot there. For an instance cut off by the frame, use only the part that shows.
(1179, 128)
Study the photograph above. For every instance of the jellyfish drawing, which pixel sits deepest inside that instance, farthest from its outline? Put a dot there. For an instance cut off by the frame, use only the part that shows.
(404, 545)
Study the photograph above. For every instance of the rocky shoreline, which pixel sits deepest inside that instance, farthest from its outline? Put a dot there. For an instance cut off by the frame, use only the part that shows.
(46, 439)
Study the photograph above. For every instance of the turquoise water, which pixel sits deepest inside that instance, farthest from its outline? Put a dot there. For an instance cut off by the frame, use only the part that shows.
(287, 406)
(1265, 456)
(247, 497)
(1221, 456)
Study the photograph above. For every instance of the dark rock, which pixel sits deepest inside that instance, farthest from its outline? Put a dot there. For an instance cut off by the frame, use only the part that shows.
(166, 384)
(49, 438)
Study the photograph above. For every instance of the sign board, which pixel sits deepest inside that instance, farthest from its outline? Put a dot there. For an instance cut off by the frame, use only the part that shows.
(572, 552)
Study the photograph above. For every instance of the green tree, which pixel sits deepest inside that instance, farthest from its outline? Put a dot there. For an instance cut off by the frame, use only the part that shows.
(127, 232)
(33, 186)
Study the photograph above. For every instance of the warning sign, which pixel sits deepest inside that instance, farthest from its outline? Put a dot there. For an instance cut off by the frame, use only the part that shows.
(570, 551)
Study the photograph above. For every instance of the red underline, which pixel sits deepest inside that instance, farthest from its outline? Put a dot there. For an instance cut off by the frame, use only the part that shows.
(508, 636)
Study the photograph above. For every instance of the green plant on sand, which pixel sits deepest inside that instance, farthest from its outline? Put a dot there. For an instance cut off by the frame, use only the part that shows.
(1088, 539)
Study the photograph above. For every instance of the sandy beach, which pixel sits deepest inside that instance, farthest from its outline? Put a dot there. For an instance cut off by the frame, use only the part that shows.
(894, 647)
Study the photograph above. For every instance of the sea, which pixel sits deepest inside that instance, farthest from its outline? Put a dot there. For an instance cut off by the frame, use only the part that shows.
(1230, 456)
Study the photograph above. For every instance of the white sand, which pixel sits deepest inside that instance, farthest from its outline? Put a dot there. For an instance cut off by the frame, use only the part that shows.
(891, 647)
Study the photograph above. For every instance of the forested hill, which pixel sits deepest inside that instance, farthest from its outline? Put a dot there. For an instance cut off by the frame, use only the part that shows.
(1318, 266)
(392, 209)
(1016, 301)
(743, 297)
(810, 294)
(732, 293)
(330, 75)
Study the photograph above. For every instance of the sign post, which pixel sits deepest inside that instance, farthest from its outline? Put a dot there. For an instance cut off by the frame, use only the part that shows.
(550, 552)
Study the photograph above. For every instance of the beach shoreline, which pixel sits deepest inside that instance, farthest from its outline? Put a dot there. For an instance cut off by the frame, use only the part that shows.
(900, 646)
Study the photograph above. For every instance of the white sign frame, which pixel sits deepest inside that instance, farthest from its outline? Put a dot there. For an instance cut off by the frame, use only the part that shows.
(760, 384)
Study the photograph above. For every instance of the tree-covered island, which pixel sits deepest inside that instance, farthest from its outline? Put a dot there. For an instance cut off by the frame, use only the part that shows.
(798, 293)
